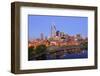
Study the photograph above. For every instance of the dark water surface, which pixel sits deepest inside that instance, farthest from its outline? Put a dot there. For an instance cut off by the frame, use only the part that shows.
(83, 54)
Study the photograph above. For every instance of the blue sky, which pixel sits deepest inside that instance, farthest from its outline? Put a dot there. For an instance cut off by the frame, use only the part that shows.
(68, 24)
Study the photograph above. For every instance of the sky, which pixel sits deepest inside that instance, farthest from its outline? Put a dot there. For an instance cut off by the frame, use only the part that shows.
(71, 25)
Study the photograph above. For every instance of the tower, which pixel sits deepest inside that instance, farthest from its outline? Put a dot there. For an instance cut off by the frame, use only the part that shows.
(58, 33)
(42, 36)
(53, 30)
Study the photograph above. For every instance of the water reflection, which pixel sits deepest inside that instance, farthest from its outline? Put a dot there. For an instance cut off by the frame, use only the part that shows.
(82, 54)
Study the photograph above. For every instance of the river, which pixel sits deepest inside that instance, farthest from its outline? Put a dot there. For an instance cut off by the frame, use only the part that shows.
(82, 54)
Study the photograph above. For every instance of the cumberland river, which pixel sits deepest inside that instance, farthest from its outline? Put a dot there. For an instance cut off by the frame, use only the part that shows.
(53, 52)
(82, 54)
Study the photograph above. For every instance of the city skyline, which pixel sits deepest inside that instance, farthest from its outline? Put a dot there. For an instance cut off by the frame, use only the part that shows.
(42, 24)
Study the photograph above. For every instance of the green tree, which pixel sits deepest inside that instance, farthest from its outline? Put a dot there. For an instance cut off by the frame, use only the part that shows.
(85, 45)
(41, 52)
(31, 53)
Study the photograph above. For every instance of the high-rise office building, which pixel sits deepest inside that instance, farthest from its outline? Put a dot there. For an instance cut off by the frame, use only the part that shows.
(78, 37)
(58, 33)
(53, 31)
(42, 36)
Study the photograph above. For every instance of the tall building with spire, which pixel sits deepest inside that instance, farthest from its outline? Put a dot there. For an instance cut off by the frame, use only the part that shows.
(53, 30)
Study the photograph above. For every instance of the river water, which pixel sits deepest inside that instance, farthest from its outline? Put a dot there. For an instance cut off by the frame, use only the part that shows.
(83, 54)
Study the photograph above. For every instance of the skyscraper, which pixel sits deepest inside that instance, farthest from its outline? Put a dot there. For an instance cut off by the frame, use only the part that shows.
(42, 36)
(78, 37)
(58, 33)
(53, 30)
